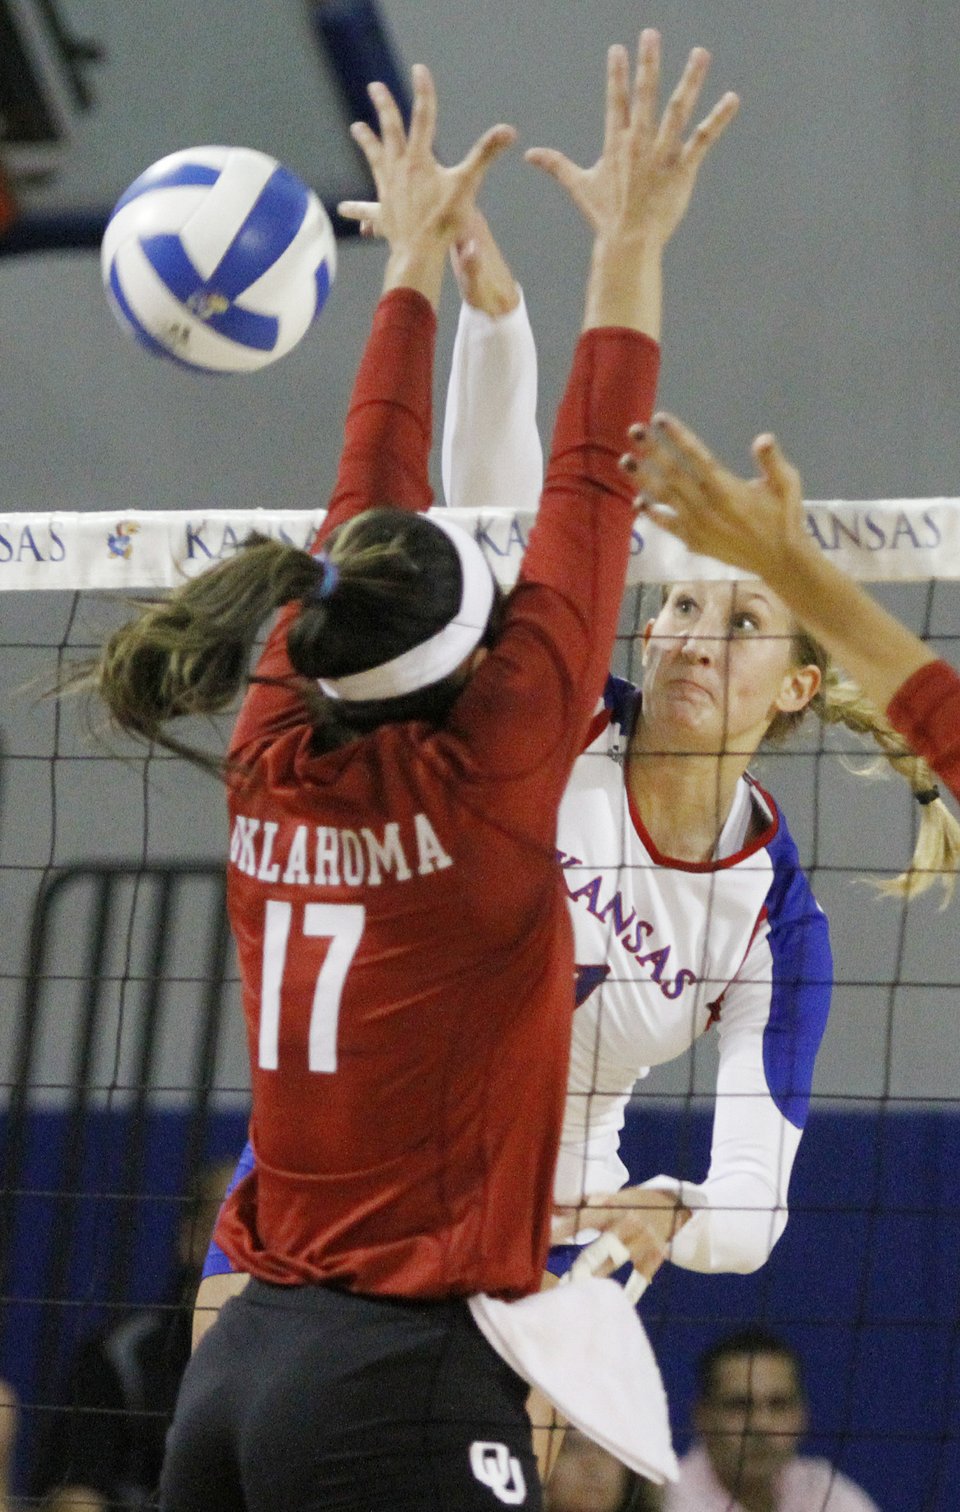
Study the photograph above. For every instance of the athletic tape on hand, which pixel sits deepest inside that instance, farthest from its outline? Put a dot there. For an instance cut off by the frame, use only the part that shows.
(608, 1247)
(635, 1286)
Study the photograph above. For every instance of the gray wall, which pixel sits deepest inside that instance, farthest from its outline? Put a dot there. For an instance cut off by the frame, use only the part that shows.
(813, 289)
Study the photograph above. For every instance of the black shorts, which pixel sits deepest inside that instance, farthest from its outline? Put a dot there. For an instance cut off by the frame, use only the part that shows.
(311, 1398)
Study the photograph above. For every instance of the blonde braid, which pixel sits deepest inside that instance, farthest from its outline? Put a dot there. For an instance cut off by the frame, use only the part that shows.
(936, 856)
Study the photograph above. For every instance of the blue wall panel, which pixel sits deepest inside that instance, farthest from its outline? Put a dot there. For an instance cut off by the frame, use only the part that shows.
(865, 1282)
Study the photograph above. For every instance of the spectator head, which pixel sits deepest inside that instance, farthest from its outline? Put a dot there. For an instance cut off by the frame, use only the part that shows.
(750, 1409)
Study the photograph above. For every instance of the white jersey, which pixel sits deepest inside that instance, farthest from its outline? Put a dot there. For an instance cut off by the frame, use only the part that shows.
(666, 950)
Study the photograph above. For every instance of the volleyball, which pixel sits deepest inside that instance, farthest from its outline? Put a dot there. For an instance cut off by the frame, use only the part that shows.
(218, 258)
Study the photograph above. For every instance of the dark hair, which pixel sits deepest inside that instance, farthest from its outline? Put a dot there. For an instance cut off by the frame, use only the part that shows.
(398, 582)
(752, 1340)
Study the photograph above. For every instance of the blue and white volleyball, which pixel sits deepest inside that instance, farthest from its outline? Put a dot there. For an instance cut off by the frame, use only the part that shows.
(218, 258)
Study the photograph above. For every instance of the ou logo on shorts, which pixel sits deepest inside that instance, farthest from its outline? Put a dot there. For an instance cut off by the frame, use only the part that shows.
(493, 1465)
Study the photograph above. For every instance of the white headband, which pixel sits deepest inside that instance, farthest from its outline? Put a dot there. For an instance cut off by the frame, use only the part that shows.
(437, 657)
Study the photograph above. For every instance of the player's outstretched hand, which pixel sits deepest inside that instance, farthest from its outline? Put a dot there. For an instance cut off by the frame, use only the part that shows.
(749, 522)
(636, 1224)
(422, 204)
(646, 171)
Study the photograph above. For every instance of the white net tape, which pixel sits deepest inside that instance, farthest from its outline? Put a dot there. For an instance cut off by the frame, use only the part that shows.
(879, 540)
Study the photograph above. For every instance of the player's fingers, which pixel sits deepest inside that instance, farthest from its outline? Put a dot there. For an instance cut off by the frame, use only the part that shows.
(423, 114)
(483, 153)
(590, 1213)
(647, 1230)
(774, 467)
(666, 428)
(662, 478)
(564, 1224)
(669, 483)
(711, 128)
(629, 464)
(617, 109)
(647, 1253)
(559, 167)
(601, 1258)
(635, 1286)
(661, 514)
(367, 212)
(392, 132)
(661, 475)
(646, 82)
(667, 474)
(681, 104)
(464, 254)
(368, 142)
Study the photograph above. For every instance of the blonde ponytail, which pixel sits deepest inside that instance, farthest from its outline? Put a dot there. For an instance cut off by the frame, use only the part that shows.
(936, 856)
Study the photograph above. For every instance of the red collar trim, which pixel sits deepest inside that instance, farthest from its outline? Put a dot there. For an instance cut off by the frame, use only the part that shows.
(657, 856)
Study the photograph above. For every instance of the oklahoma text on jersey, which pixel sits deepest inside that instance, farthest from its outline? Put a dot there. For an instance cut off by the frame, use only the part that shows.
(317, 855)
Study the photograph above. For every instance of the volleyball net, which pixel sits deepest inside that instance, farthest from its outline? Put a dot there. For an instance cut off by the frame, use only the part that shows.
(897, 540)
(122, 1039)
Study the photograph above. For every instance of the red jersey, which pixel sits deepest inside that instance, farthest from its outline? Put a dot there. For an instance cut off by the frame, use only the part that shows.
(404, 940)
(926, 711)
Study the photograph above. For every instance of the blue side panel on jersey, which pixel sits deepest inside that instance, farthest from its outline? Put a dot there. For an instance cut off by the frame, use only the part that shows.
(799, 943)
(216, 1263)
(268, 230)
(176, 178)
(619, 696)
(171, 264)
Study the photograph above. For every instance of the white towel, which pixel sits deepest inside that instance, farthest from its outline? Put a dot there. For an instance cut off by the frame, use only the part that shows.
(585, 1348)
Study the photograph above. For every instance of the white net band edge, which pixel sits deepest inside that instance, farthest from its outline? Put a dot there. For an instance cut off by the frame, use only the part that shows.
(891, 540)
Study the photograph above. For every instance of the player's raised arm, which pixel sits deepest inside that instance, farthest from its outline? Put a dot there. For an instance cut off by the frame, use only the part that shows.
(491, 454)
(423, 207)
(385, 458)
(633, 197)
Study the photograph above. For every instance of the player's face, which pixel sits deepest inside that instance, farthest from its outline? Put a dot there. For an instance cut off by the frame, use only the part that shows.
(753, 1421)
(719, 666)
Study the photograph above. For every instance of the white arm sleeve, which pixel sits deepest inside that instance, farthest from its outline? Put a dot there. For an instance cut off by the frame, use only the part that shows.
(740, 1211)
(491, 455)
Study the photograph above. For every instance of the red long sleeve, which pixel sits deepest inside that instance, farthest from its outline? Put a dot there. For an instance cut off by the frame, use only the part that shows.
(926, 711)
(385, 461)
